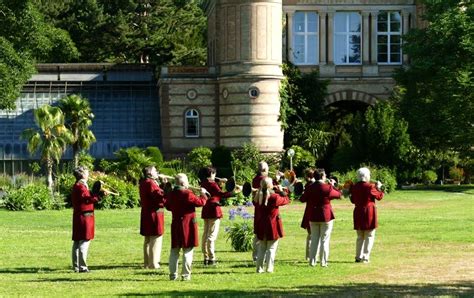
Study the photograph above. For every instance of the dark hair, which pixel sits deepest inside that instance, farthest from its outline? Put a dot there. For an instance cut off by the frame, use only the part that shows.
(210, 171)
(318, 174)
(309, 173)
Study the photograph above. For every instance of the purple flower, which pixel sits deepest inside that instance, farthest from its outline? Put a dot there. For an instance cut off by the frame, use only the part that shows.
(249, 204)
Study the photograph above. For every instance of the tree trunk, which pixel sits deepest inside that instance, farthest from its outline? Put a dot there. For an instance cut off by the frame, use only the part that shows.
(49, 172)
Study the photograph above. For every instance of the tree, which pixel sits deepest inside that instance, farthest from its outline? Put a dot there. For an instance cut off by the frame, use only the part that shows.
(78, 119)
(50, 140)
(379, 136)
(435, 93)
(25, 38)
(134, 31)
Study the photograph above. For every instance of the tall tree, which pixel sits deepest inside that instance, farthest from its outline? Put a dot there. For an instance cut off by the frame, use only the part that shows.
(78, 119)
(435, 94)
(25, 38)
(134, 31)
(51, 139)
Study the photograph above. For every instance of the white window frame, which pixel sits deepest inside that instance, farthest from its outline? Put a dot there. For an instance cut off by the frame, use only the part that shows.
(306, 34)
(389, 34)
(188, 115)
(347, 34)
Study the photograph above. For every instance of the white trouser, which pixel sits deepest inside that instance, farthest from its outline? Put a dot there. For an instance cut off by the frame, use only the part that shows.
(79, 255)
(209, 236)
(266, 255)
(308, 244)
(320, 236)
(152, 251)
(187, 263)
(254, 248)
(364, 244)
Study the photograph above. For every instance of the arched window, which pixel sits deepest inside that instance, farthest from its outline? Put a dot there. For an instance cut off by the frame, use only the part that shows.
(191, 123)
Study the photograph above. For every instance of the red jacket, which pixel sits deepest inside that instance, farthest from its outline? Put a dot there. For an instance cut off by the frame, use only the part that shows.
(318, 197)
(83, 223)
(152, 202)
(212, 209)
(305, 220)
(184, 230)
(363, 195)
(269, 225)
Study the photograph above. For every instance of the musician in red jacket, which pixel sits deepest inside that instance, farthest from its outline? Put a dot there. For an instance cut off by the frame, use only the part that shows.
(151, 217)
(262, 173)
(363, 195)
(308, 176)
(269, 225)
(184, 230)
(321, 217)
(211, 214)
(82, 219)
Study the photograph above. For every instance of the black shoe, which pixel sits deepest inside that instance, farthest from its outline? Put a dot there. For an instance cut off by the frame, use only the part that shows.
(212, 262)
(206, 262)
(357, 260)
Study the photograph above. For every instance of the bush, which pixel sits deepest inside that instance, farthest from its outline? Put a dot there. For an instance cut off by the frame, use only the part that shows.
(85, 159)
(301, 160)
(32, 197)
(221, 159)
(155, 155)
(240, 233)
(456, 173)
(128, 197)
(130, 163)
(64, 184)
(429, 177)
(199, 157)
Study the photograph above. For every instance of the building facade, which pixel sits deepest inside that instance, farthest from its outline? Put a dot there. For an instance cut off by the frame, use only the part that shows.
(356, 44)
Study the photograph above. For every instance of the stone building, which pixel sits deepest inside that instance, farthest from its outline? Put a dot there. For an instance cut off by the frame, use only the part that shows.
(356, 44)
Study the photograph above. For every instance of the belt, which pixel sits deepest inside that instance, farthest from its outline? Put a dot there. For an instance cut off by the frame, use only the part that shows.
(88, 213)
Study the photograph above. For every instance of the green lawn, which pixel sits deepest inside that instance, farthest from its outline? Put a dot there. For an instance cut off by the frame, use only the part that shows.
(424, 246)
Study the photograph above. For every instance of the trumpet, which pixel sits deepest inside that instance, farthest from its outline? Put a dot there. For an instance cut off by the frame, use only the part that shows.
(100, 187)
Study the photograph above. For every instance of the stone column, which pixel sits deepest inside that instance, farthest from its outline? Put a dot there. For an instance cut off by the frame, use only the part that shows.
(322, 39)
(405, 27)
(365, 38)
(329, 69)
(373, 58)
(289, 34)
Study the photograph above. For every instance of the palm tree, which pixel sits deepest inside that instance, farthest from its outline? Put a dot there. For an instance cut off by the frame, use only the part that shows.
(51, 139)
(78, 114)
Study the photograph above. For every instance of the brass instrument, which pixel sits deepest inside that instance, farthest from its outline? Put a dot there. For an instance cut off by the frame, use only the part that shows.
(169, 187)
(99, 187)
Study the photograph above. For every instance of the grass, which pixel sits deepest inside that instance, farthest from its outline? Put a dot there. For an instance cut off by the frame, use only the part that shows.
(424, 246)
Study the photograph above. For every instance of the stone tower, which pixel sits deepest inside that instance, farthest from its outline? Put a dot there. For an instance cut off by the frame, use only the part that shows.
(235, 99)
(245, 47)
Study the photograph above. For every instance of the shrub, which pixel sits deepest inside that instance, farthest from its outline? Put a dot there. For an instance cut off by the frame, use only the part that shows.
(155, 155)
(199, 157)
(221, 158)
(64, 184)
(85, 159)
(128, 193)
(429, 177)
(32, 197)
(301, 160)
(456, 173)
(240, 233)
(130, 163)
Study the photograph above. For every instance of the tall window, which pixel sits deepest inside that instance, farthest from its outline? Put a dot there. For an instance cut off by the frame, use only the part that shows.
(347, 38)
(389, 38)
(191, 123)
(305, 38)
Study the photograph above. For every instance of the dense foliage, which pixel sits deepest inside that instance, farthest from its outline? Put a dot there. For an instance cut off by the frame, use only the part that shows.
(435, 93)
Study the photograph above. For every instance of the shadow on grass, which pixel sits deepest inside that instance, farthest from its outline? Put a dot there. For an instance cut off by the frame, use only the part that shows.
(29, 270)
(461, 288)
(465, 189)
